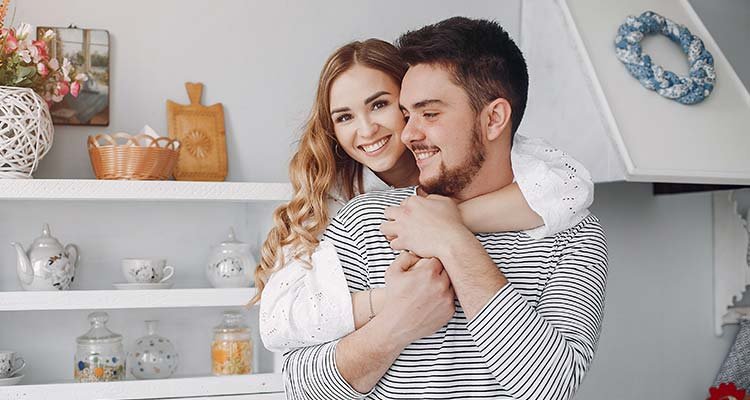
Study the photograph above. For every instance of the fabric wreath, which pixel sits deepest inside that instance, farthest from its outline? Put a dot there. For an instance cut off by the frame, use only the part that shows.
(684, 89)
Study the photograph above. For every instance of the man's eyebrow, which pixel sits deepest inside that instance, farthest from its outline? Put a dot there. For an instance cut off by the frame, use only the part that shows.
(428, 102)
(375, 96)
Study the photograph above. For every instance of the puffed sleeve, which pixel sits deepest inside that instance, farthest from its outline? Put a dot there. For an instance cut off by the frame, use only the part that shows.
(303, 306)
(556, 186)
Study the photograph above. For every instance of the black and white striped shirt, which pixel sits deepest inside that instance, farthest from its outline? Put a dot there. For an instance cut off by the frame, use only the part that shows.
(534, 339)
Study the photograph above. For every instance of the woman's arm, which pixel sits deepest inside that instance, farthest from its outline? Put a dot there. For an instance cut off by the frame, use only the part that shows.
(552, 192)
(499, 211)
(361, 305)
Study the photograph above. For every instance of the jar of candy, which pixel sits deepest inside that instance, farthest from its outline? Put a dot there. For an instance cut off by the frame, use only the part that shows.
(232, 348)
(100, 356)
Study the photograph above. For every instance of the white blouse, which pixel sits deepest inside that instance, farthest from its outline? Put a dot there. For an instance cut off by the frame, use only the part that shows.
(302, 306)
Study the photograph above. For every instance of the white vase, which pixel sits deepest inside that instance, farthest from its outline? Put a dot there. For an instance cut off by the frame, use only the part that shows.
(26, 131)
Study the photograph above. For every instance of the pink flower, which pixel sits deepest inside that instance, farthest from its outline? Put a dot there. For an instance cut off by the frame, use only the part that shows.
(42, 48)
(42, 69)
(75, 88)
(11, 43)
(62, 88)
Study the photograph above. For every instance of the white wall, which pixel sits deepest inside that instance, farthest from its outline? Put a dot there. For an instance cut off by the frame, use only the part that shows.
(261, 60)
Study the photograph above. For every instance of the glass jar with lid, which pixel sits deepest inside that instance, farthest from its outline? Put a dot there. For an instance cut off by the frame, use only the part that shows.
(100, 356)
(232, 347)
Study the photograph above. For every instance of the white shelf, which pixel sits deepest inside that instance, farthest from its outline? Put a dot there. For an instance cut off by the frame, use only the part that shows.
(123, 299)
(149, 389)
(731, 270)
(94, 189)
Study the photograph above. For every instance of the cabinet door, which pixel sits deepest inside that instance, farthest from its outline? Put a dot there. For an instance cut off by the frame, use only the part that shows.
(561, 108)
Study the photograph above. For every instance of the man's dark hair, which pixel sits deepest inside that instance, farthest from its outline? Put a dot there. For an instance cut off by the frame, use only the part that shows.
(483, 59)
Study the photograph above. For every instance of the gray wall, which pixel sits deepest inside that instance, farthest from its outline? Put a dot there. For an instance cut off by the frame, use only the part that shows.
(261, 61)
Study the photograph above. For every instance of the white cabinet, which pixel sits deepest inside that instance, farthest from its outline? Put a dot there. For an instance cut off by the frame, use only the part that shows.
(111, 220)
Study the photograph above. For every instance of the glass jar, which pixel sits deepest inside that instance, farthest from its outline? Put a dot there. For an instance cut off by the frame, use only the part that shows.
(100, 356)
(232, 348)
(154, 356)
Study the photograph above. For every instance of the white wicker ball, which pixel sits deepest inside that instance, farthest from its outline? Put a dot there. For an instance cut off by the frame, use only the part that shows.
(25, 131)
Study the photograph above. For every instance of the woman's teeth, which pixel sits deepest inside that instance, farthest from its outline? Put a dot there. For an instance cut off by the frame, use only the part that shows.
(376, 146)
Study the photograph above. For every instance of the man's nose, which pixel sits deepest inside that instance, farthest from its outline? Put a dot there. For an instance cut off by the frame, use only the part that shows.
(411, 133)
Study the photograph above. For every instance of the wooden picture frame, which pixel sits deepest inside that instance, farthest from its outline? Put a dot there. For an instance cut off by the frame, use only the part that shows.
(88, 51)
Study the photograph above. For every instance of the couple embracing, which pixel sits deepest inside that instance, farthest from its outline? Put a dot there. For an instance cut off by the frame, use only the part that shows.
(430, 251)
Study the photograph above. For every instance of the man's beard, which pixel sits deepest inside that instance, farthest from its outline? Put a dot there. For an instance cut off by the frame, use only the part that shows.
(451, 182)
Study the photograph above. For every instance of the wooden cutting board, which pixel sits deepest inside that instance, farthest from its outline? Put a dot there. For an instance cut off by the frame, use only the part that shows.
(200, 130)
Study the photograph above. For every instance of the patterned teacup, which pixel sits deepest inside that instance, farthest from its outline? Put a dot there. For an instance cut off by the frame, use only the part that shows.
(146, 270)
(10, 363)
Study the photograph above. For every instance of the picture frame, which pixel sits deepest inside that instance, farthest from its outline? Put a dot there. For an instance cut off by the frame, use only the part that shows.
(89, 51)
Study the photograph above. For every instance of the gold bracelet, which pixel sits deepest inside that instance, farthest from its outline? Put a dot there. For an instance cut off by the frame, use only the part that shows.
(372, 311)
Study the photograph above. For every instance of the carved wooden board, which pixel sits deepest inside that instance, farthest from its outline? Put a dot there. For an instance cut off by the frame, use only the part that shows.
(200, 130)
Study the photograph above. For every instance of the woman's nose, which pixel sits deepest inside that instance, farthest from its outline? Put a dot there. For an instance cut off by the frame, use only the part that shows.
(367, 127)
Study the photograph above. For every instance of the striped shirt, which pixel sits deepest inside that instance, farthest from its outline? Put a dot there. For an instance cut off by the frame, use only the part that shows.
(534, 339)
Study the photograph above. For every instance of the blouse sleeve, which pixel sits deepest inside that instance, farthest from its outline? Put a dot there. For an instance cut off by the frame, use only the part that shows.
(556, 186)
(303, 306)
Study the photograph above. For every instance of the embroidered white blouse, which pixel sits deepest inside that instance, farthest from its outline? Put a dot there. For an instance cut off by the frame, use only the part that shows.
(307, 306)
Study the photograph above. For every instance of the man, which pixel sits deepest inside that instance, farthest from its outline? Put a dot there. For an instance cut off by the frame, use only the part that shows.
(528, 313)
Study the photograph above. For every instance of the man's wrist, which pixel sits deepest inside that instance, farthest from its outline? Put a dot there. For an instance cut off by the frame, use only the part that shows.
(456, 242)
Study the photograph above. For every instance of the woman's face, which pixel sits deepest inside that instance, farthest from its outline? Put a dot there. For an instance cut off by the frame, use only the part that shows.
(367, 119)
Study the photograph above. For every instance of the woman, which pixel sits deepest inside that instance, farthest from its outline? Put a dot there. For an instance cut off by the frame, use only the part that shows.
(351, 145)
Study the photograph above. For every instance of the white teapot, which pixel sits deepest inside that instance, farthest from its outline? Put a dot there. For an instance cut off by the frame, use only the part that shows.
(231, 264)
(48, 265)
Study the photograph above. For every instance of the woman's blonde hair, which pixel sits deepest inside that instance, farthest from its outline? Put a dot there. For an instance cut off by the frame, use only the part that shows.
(319, 166)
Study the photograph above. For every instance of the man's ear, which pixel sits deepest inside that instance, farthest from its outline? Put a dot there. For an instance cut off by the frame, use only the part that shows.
(497, 118)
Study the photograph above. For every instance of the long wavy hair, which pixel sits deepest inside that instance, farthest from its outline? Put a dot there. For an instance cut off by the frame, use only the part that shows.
(319, 167)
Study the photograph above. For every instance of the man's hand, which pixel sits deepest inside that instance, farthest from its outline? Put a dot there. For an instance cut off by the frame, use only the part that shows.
(424, 225)
(418, 297)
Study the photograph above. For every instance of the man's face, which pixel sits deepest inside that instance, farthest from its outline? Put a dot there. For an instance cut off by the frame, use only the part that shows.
(442, 130)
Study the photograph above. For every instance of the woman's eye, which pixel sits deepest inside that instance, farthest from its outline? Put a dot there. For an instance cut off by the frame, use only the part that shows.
(429, 115)
(379, 104)
(406, 118)
(343, 118)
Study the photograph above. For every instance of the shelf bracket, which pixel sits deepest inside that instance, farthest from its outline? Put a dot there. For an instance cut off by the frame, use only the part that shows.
(731, 271)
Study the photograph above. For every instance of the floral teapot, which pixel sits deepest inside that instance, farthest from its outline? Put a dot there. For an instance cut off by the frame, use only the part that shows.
(48, 265)
(231, 264)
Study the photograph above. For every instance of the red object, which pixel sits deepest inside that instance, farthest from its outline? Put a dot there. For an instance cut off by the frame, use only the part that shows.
(726, 391)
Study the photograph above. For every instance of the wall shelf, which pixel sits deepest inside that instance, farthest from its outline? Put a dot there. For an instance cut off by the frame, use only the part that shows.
(94, 189)
(123, 299)
(257, 384)
(731, 271)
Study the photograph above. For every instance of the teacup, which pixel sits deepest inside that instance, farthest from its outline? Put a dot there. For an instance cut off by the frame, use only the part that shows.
(10, 363)
(146, 270)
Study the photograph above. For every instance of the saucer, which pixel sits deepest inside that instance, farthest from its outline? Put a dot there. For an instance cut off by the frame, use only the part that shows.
(11, 381)
(142, 286)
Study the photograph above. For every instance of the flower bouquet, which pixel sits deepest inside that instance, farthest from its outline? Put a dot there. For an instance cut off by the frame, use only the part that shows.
(30, 81)
(26, 63)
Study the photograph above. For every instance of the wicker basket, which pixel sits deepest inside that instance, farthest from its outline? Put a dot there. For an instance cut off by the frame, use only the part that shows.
(124, 156)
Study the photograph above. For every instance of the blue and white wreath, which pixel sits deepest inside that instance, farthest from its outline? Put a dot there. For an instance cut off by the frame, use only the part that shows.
(686, 90)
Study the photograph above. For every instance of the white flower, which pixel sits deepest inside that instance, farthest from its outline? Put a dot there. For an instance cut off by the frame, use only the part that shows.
(49, 35)
(23, 31)
(53, 64)
(66, 67)
(35, 56)
(25, 55)
(82, 77)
